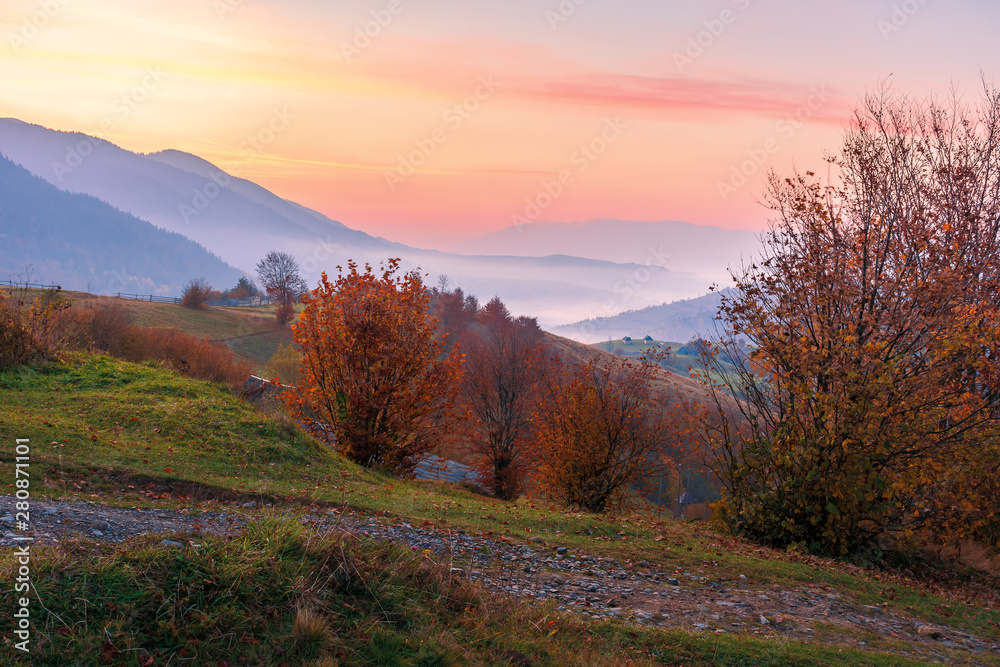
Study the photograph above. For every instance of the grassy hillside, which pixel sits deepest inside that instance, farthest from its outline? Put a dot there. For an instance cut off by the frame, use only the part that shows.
(138, 436)
(679, 320)
(251, 333)
(675, 381)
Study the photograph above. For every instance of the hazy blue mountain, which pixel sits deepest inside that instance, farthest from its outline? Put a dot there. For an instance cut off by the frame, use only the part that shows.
(195, 199)
(676, 321)
(241, 222)
(82, 243)
(702, 250)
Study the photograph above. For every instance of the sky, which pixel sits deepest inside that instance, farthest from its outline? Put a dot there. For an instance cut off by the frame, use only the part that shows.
(431, 121)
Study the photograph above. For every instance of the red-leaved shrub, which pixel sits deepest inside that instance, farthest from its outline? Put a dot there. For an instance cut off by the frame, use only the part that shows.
(31, 329)
(196, 293)
(107, 328)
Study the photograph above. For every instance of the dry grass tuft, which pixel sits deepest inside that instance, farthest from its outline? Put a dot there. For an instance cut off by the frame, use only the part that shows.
(311, 628)
(325, 662)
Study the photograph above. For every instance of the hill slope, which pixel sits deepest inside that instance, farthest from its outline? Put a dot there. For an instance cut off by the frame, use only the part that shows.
(80, 242)
(251, 334)
(679, 321)
(133, 436)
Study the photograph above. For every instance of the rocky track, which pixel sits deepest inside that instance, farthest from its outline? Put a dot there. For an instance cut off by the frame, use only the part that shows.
(576, 582)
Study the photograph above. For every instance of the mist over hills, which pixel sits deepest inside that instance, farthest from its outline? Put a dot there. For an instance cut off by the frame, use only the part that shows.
(241, 221)
(80, 242)
(677, 321)
(705, 251)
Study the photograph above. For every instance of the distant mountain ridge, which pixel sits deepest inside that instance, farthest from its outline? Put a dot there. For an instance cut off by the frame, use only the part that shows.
(173, 190)
(705, 251)
(80, 242)
(242, 221)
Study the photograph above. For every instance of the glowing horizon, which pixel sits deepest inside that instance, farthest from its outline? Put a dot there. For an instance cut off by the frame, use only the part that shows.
(426, 121)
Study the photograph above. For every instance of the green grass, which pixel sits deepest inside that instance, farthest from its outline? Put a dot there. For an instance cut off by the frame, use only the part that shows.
(99, 423)
(266, 312)
(281, 594)
(259, 348)
(213, 323)
(136, 434)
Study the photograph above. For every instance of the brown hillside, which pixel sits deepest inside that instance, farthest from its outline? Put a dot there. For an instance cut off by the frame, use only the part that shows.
(253, 335)
(672, 384)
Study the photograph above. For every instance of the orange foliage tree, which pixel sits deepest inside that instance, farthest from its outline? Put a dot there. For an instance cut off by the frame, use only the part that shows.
(868, 405)
(504, 365)
(196, 292)
(374, 382)
(602, 429)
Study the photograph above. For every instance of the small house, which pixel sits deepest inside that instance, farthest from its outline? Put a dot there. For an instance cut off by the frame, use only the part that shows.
(627, 340)
(648, 340)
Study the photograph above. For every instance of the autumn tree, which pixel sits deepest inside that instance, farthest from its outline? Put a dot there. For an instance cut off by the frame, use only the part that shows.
(455, 311)
(196, 292)
(279, 275)
(603, 428)
(867, 406)
(374, 382)
(244, 288)
(504, 364)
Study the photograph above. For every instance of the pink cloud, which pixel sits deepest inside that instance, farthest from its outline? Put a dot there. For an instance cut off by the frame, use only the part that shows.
(538, 75)
(664, 93)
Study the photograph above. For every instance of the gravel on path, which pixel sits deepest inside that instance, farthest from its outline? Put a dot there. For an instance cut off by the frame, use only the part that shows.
(576, 582)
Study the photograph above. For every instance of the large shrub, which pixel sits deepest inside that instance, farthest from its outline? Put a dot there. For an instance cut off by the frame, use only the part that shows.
(868, 406)
(374, 382)
(32, 327)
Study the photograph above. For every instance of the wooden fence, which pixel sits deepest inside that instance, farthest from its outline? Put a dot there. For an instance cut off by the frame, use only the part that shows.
(150, 297)
(26, 285)
(247, 302)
